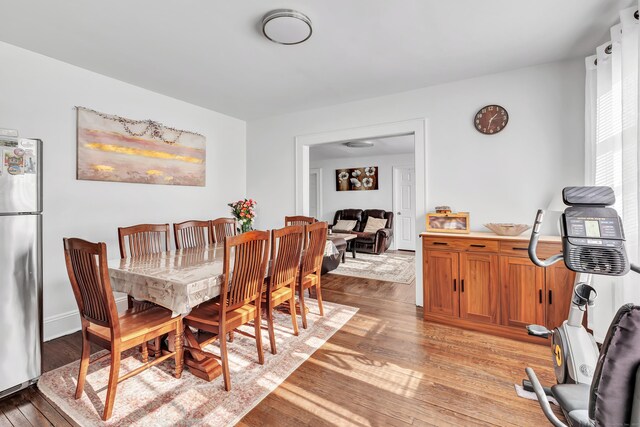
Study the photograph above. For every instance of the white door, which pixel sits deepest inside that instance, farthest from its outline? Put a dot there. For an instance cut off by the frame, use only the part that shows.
(315, 193)
(404, 207)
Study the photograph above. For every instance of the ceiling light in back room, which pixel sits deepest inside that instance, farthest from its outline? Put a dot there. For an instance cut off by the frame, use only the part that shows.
(359, 144)
(286, 26)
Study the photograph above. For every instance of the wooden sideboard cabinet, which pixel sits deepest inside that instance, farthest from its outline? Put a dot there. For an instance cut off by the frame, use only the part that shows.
(486, 282)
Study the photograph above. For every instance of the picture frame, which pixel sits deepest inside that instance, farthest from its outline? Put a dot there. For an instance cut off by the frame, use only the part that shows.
(357, 179)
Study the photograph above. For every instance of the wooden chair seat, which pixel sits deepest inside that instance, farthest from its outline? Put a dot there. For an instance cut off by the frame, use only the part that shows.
(279, 296)
(310, 280)
(136, 325)
(208, 313)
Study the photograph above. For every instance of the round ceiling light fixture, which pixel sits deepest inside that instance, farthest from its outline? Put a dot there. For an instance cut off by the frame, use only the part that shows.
(286, 26)
(359, 144)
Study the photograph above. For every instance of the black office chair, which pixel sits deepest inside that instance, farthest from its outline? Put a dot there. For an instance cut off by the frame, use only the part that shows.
(613, 398)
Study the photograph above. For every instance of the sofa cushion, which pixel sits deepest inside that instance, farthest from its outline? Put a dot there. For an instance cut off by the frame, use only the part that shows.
(345, 226)
(365, 237)
(374, 224)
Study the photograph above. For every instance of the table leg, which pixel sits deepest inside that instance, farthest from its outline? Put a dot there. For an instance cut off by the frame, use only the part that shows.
(353, 249)
(200, 365)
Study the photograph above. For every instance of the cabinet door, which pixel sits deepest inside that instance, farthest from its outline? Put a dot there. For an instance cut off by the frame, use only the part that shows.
(559, 286)
(479, 287)
(521, 290)
(441, 285)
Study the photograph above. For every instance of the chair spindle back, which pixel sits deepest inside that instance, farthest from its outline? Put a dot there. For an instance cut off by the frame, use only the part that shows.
(222, 228)
(250, 259)
(286, 250)
(316, 239)
(298, 220)
(192, 234)
(87, 268)
(143, 239)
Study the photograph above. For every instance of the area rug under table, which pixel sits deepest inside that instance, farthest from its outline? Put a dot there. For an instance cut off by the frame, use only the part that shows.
(398, 267)
(156, 398)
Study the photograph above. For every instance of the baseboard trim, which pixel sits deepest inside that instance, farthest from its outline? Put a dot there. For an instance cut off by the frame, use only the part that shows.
(67, 323)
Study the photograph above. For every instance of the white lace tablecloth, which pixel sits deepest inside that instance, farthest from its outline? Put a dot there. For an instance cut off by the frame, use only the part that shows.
(177, 280)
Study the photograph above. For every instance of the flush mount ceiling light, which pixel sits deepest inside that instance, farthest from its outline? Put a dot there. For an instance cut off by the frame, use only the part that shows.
(286, 26)
(359, 144)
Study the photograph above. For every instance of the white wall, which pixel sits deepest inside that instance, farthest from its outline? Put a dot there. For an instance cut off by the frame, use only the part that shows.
(37, 96)
(382, 198)
(502, 177)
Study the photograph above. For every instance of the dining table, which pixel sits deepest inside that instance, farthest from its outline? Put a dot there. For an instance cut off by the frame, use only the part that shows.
(178, 281)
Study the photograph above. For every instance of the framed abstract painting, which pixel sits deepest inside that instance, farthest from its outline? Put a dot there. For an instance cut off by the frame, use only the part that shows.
(114, 148)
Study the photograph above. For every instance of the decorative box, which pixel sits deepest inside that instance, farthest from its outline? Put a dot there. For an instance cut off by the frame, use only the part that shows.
(457, 222)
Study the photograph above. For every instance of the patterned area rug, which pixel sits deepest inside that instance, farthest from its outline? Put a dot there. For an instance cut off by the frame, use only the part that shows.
(156, 398)
(398, 267)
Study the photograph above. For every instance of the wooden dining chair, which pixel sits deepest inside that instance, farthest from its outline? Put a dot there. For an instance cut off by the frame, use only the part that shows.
(192, 234)
(141, 240)
(89, 276)
(222, 228)
(311, 265)
(298, 220)
(240, 293)
(286, 249)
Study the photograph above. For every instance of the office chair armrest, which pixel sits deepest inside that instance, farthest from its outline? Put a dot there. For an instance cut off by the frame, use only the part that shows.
(542, 399)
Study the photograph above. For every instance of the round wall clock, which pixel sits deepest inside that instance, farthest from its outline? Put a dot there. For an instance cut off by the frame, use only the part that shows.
(491, 119)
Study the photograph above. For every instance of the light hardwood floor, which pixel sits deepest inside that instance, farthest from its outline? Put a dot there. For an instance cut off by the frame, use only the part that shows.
(384, 367)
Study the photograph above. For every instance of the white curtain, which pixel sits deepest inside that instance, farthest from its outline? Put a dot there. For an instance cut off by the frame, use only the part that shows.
(611, 152)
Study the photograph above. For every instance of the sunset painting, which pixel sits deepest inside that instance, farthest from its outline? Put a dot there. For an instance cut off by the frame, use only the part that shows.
(113, 148)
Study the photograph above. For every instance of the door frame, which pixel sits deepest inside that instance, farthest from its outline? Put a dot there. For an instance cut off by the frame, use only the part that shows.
(396, 223)
(415, 127)
(318, 173)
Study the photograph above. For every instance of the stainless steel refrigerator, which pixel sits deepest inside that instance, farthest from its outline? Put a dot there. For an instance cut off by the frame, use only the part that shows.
(20, 263)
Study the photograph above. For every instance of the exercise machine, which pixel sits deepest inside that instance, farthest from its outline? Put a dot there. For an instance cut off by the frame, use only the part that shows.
(592, 244)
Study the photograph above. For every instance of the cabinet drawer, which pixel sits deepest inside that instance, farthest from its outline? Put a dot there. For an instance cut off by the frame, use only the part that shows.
(521, 248)
(466, 244)
(481, 245)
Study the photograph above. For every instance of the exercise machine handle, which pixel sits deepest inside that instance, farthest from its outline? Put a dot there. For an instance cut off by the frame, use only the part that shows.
(635, 268)
(542, 399)
(533, 244)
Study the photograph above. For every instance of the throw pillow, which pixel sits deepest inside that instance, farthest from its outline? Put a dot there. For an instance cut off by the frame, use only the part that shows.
(375, 224)
(344, 226)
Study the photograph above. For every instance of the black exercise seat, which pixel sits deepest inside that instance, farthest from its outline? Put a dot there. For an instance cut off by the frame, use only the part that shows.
(574, 401)
(613, 397)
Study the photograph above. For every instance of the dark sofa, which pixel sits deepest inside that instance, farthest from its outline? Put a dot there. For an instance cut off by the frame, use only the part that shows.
(373, 243)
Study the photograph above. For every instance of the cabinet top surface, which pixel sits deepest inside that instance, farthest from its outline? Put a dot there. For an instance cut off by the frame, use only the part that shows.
(488, 235)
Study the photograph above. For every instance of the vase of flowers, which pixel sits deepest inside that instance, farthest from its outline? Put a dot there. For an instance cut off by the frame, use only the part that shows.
(243, 211)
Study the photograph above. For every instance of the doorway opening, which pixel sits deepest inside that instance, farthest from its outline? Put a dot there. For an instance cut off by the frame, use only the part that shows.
(415, 213)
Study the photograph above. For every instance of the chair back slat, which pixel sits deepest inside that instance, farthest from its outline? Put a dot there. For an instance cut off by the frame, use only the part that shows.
(316, 239)
(250, 252)
(192, 234)
(222, 228)
(298, 220)
(87, 268)
(143, 239)
(286, 250)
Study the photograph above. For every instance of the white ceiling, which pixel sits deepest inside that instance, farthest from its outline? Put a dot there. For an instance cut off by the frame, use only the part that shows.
(211, 52)
(381, 147)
